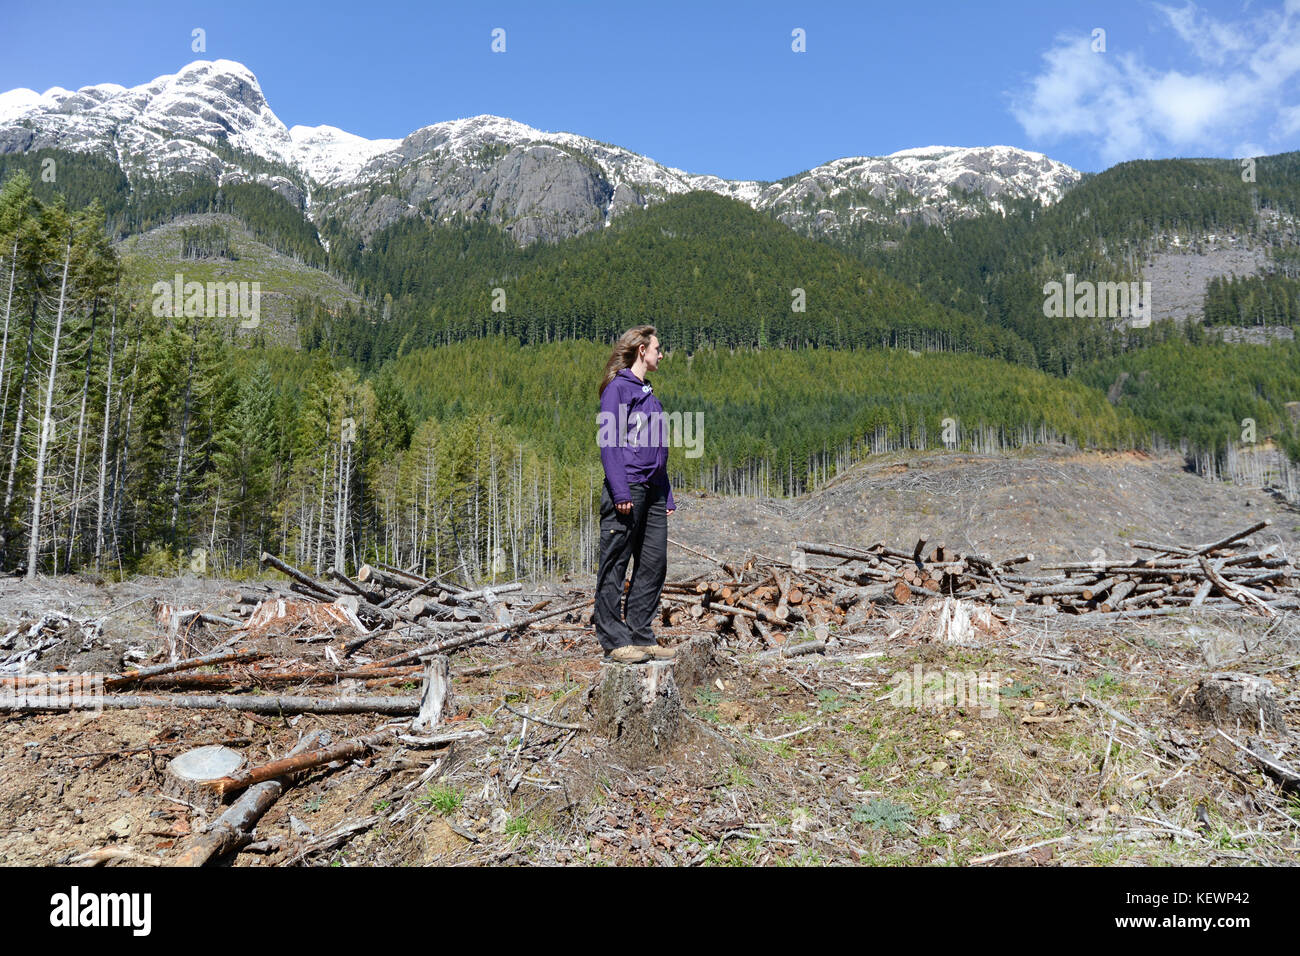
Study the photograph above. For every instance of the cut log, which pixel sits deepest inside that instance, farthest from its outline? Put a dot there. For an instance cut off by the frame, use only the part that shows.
(371, 596)
(305, 760)
(795, 650)
(367, 574)
(304, 579)
(441, 646)
(902, 593)
(250, 704)
(190, 664)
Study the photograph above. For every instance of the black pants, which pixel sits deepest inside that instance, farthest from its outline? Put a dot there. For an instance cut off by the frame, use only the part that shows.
(641, 537)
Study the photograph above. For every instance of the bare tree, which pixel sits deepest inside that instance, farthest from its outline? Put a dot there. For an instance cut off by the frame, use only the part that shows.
(103, 444)
(47, 423)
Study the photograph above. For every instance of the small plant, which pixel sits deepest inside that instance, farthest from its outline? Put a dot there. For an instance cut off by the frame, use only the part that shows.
(441, 799)
(1017, 690)
(314, 804)
(382, 806)
(828, 702)
(881, 814)
(709, 699)
(1100, 685)
(518, 826)
(738, 777)
(781, 748)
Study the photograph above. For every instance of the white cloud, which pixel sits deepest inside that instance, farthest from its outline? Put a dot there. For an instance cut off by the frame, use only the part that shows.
(1240, 84)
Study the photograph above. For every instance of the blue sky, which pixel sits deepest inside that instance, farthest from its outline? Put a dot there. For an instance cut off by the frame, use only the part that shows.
(715, 87)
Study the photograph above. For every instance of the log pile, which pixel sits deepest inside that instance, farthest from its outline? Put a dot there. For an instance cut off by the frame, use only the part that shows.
(382, 601)
(763, 599)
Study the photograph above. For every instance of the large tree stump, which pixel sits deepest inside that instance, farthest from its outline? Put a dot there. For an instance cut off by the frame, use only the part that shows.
(1230, 699)
(639, 708)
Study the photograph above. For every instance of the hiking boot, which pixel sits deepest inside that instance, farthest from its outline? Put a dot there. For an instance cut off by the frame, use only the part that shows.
(659, 653)
(629, 654)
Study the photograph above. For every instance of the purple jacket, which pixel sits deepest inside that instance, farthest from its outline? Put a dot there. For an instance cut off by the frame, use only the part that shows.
(632, 433)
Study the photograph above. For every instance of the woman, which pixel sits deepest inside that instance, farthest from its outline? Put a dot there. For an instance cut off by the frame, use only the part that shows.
(635, 501)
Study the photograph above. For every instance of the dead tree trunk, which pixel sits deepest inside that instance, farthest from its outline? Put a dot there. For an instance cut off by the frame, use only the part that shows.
(4, 346)
(121, 459)
(103, 444)
(81, 425)
(18, 417)
(185, 425)
(47, 424)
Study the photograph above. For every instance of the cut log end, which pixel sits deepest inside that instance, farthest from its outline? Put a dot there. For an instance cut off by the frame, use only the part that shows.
(191, 776)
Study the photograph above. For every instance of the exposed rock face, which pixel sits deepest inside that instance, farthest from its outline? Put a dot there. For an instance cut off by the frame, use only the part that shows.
(211, 117)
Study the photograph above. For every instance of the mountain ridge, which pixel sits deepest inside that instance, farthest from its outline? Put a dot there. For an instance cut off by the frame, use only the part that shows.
(536, 184)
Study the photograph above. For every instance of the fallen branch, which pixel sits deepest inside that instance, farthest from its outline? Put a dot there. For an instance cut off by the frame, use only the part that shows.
(451, 644)
(143, 672)
(305, 760)
(253, 704)
(1268, 761)
(543, 720)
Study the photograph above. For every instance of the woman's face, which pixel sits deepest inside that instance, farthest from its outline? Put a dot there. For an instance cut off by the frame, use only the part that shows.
(652, 354)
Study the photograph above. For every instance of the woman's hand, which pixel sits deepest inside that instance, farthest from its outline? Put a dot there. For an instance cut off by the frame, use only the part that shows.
(670, 511)
(624, 507)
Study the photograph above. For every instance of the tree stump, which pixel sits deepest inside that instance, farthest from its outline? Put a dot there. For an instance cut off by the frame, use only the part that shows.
(188, 772)
(1230, 699)
(639, 708)
(435, 698)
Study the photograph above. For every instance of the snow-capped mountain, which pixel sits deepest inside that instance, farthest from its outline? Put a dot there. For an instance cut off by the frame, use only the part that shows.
(211, 116)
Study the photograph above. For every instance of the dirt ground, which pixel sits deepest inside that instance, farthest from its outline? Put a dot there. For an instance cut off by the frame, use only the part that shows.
(1086, 753)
